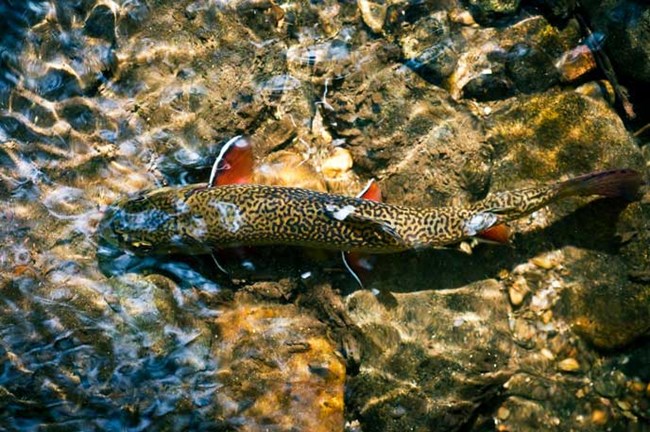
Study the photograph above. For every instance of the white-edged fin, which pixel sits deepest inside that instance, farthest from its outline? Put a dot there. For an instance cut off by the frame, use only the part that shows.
(217, 162)
(349, 268)
(371, 191)
(366, 188)
(219, 266)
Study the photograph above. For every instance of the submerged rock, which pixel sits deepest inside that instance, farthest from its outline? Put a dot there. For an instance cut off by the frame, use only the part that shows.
(428, 48)
(609, 312)
(488, 10)
(557, 132)
(398, 125)
(107, 106)
(101, 21)
(373, 14)
(277, 367)
(430, 360)
(496, 63)
(625, 25)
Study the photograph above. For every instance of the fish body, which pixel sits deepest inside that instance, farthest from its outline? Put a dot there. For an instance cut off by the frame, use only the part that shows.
(197, 219)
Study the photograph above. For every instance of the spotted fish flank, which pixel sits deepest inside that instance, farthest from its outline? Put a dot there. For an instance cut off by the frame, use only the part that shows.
(268, 215)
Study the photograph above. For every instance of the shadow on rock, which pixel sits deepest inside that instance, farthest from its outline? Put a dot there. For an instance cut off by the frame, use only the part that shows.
(592, 226)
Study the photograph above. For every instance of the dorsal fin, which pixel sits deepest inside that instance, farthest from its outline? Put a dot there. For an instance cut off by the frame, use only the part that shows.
(371, 192)
(234, 165)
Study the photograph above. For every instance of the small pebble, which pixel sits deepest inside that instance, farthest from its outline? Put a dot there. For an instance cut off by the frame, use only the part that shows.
(461, 16)
(503, 413)
(543, 262)
(598, 417)
(518, 291)
(524, 332)
(465, 248)
(338, 163)
(636, 386)
(569, 365)
(624, 405)
(547, 353)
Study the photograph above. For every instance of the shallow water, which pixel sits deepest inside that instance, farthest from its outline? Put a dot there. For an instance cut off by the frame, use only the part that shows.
(101, 99)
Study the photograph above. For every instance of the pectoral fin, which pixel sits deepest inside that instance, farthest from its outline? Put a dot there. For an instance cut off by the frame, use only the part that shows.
(495, 234)
(358, 264)
(235, 163)
(371, 192)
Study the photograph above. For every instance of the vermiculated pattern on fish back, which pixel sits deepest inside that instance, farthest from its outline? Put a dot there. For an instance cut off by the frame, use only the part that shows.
(516, 205)
(254, 214)
(196, 219)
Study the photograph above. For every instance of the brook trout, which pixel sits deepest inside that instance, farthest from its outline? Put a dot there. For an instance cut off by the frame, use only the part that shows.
(196, 219)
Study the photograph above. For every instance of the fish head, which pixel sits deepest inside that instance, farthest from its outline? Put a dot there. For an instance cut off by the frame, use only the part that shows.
(155, 222)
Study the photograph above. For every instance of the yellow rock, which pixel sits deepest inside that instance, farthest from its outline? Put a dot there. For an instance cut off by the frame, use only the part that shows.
(337, 164)
(548, 353)
(518, 291)
(598, 417)
(373, 14)
(285, 168)
(568, 365)
(544, 262)
(278, 361)
(636, 386)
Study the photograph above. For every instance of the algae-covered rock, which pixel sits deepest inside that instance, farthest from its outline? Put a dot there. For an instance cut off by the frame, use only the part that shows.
(558, 132)
(487, 10)
(431, 360)
(396, 124)
(561, 9)
(554, 134)
(609, 311)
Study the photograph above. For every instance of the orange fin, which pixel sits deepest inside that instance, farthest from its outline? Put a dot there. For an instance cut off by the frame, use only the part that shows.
(234, 165)
(371, 192)
(624, 183)
(359, 265)
(496, 234)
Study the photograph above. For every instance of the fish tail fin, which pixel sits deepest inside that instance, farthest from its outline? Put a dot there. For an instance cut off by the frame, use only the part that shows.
(619, 183)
